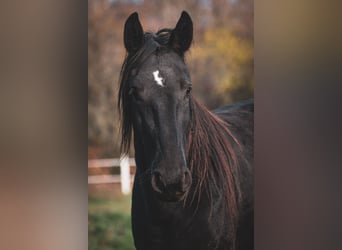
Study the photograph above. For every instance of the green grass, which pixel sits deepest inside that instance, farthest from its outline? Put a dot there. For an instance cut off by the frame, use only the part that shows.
(109, 224)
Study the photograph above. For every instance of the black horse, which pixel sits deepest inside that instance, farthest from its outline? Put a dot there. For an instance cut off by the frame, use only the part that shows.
(193, 188)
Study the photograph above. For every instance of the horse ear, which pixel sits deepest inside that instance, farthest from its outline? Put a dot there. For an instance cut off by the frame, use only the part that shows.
(133, 33)
(181, 36)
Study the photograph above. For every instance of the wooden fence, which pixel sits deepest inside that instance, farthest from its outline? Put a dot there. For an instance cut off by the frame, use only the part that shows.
(125, 177)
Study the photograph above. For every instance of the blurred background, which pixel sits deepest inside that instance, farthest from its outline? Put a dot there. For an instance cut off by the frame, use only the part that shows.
(43, 146)
(221, 67)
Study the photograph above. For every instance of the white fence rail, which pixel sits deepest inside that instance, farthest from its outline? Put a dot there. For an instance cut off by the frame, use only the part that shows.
(125, 178)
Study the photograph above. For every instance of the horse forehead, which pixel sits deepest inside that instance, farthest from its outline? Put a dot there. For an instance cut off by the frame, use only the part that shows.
(162, 71)
(165, 71)
(160, 74)
(167, 63)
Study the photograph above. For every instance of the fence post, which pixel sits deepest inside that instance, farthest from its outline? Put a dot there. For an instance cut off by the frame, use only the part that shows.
(125, 174)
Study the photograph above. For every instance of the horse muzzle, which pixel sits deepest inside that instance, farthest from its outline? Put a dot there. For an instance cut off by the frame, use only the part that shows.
(171, 189)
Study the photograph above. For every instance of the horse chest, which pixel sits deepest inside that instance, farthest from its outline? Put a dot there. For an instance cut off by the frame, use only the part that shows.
(172, 227)
(173, 236)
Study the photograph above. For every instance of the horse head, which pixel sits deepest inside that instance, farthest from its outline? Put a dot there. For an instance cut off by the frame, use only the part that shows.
(155, 94)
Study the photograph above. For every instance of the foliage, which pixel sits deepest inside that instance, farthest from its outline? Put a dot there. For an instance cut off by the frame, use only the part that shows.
(109, 224)
(228, 61)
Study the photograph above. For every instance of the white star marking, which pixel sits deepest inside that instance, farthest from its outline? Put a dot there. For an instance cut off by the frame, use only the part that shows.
(157, 78)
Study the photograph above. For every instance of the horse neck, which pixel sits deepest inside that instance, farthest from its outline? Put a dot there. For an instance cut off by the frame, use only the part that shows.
(213, 159)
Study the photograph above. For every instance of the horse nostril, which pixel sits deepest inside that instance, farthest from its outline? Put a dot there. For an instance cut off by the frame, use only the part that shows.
(157, 182)
(187, 180)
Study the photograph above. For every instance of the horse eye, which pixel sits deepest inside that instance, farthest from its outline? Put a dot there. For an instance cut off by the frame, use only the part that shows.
(134, 93)
(188, 90)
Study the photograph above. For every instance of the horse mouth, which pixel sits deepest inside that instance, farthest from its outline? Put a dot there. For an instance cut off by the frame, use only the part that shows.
(171, 197)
